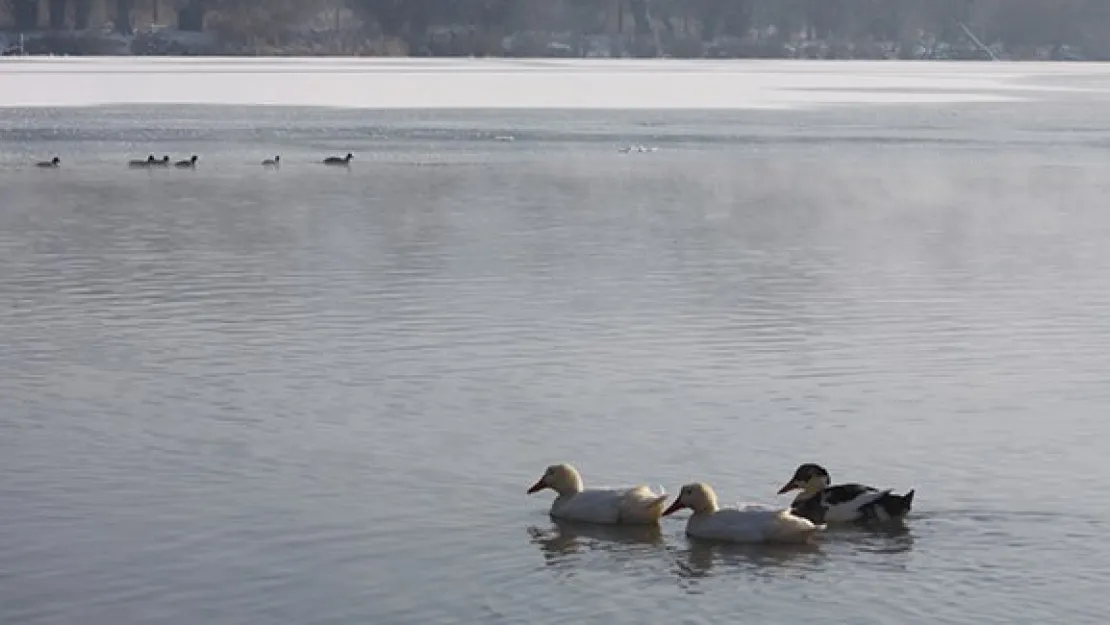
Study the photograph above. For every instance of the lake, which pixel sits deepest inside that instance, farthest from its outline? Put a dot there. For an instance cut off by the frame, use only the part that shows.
(317, 395)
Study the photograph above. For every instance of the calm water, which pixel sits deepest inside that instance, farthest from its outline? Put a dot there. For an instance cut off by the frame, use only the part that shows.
(233, 396)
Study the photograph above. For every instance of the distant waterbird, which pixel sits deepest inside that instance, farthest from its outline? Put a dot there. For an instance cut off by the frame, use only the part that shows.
(53, 163)
(165, 162)
(335, 160)
(148, 162)
(272, 162)
(191, 163)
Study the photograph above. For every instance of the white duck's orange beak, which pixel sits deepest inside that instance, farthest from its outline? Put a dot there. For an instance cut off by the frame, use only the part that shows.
(538, 486)
(674, 507)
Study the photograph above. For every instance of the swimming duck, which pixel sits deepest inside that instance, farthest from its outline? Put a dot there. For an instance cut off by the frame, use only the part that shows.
(165, 162)
(751, 524)
(53, 163)
(821, 502)
(637, 505)
(145, 163)
(272, 162)
(186, 164)
(335, 160)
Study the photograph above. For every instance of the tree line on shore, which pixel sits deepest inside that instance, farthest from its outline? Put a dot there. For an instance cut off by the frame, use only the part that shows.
(1025, 22)
(1016, 22)
(24, 15)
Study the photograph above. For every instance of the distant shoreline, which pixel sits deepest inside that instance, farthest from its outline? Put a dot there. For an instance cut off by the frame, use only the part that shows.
(547, 58)
(449, 44)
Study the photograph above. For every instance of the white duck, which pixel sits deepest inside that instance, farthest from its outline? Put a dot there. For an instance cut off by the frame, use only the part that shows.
(822, 502)
(739, 525)
(637, 505)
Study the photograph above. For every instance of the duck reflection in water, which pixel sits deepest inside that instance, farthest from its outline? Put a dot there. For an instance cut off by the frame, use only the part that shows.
(703, 559)
(703, 556)
(568, 538)
(887, 541)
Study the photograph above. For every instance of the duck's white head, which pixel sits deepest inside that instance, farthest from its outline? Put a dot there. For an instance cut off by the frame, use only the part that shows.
(809, 477)
(561, 478)
(697, 496)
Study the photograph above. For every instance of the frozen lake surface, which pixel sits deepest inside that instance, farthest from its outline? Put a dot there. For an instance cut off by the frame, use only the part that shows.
(515, 83)
(234, 396)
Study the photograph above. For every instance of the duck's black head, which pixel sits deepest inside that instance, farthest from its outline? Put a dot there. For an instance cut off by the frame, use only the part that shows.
(56, 161)
(809, 474)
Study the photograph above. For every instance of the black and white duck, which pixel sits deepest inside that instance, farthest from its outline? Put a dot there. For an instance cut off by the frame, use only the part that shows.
(53, 163)
(823, 502)
(190, 163)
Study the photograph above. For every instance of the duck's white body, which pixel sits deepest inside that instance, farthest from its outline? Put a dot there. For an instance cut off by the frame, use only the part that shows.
(751, 524)
(636, 505)
(629, 506)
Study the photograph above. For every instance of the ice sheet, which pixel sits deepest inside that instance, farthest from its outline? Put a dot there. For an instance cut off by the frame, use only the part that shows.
(512, 83)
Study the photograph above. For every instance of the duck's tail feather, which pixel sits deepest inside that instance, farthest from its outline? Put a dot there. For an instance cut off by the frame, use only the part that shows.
(644, 504)
(788, 518)
(897, 506)
(656, 506)
(790, 528)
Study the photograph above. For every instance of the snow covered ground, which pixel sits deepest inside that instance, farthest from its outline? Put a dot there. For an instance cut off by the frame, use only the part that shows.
(517, 83)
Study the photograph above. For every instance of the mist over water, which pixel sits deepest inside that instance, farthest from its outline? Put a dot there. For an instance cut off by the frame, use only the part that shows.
(317, 395)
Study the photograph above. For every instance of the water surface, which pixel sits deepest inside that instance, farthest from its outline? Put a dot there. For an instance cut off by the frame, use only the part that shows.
(236, 396)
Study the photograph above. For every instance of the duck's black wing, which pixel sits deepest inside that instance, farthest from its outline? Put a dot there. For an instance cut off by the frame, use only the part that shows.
(843, 493)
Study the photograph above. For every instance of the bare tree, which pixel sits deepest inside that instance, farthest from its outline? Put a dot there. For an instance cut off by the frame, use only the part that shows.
(124, 24)
(25, 14)
(82, 11)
